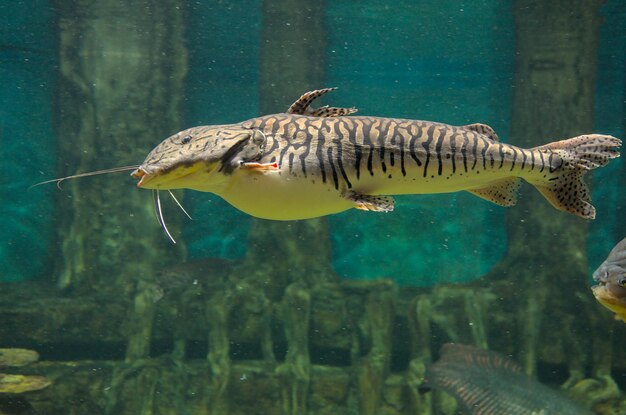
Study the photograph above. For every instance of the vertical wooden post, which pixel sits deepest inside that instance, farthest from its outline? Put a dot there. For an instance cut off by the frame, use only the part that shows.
(553, 99)
(291, 63)
(373, 369)
(290, 254)
(295, 373)
(122, 67)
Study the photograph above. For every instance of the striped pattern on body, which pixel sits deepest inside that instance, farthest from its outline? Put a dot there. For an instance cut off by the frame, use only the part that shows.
(346, 150)
(308, 163)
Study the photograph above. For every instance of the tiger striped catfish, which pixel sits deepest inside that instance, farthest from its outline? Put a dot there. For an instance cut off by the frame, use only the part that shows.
(307, 163)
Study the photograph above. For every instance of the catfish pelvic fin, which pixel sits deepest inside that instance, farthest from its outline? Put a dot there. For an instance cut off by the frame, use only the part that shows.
(370, 202)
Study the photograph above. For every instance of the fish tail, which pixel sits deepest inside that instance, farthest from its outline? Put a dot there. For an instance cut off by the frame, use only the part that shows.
(567, 162)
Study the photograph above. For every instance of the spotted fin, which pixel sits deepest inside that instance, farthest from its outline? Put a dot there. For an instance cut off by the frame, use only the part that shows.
(565, 189)
(301, 106)
(327, 111)
(502, 192)
(370, 202)
(482, 129)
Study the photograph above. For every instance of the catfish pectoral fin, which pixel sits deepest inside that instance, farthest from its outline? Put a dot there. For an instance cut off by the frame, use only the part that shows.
(260, 167)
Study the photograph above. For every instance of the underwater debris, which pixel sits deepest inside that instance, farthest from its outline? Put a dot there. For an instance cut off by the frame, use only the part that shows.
(17, 357)
(209, 272)
(485, 382)
(611, 278)
(22, 383)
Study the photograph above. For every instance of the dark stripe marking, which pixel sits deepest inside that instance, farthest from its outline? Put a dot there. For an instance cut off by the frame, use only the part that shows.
(475, 151)
(438, 151)
(464, 151)
(339, 159)
(412, 150)
(514, 158)
(484, 152)
(453, 152)
(319, 154)
(329, 153)
(426, 145)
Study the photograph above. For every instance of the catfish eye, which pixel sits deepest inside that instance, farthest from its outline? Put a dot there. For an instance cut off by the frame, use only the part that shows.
(622, 281)
(186, 139)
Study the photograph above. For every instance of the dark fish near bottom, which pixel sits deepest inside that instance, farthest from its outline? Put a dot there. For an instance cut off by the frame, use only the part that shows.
(209, 273)
(486, 383)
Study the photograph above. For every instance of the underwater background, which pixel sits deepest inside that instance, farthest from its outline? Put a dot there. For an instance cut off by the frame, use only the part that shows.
(88, 85)
(435, 68)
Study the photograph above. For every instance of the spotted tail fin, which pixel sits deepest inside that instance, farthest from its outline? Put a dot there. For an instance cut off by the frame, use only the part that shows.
(569, 160)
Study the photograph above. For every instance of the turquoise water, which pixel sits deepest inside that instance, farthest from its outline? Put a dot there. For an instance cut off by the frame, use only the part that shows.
(456, 66)
(144, 334)
(460, 77)
(27, 138)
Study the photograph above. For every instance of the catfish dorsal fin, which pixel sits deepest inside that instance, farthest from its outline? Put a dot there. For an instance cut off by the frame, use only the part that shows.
(327, 111)
(301, 106)
(482, 129)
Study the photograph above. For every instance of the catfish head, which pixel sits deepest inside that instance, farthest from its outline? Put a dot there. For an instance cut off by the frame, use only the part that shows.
(200, 158)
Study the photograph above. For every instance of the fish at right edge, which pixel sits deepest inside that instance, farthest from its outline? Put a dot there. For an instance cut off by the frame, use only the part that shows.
(611, 278)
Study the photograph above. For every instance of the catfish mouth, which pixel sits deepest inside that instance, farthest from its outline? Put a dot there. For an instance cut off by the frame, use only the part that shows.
(177, 177)
(147, 176)
(142, 175)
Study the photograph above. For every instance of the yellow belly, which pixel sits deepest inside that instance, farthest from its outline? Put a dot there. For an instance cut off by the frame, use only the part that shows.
(279, 197)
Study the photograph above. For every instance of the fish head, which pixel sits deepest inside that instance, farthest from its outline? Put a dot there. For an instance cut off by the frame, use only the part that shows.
(200, 158)
(611, 279)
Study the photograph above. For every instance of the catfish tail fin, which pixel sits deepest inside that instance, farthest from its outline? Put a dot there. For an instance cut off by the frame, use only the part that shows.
(569, 160)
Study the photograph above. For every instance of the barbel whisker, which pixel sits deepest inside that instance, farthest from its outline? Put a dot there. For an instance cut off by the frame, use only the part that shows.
(179, 204)
(154, 201)
(91, 173)
(159, 211)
